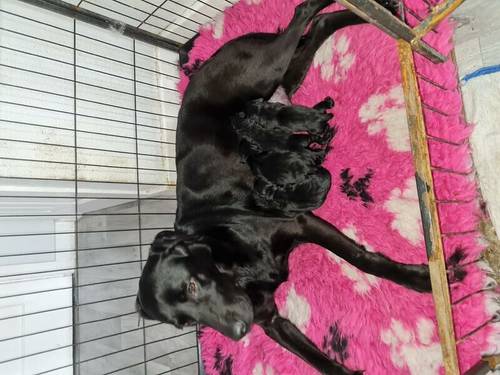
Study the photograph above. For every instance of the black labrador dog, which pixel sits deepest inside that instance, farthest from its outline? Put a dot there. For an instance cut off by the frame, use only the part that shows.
(228, 252)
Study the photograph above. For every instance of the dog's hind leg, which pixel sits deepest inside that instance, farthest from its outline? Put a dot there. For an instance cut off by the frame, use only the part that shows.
(287, 42)
(322, 27)
(318, 231)
(251, 66)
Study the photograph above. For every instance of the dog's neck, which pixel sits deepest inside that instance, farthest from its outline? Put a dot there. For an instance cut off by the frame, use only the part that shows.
(243, 261)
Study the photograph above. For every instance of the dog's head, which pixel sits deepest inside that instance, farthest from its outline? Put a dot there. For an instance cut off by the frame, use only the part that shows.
(181, 285)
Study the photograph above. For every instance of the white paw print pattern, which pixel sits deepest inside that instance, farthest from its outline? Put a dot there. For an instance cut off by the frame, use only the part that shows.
(363, 282)
(417, 351)
(334, 58)
(386, 112)
(403, 203)
(246, 340)
(297, 309)
(218, 26)
(261, 369)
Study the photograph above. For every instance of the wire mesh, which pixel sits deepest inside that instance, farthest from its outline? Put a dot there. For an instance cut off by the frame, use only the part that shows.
(177, 20)
(87, 177)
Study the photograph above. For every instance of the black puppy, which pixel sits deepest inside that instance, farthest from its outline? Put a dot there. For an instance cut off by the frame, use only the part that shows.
(285, 147)
(228, 254)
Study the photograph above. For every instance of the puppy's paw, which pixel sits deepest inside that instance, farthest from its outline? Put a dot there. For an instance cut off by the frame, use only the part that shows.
(323, 139)
(265, 189)
(325, 104)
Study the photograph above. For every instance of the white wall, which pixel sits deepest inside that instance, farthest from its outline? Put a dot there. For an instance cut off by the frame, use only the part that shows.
(477, 46)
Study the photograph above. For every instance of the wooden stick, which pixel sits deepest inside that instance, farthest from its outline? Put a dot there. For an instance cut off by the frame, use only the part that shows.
(439, 13)
(493, 361)
(428, 209)
(376, 14)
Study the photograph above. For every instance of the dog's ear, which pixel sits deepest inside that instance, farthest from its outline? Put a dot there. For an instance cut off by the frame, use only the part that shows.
(168, 242)
(140, 309)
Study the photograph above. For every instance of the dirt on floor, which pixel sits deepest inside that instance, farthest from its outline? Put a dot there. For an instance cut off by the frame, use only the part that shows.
(491, 254)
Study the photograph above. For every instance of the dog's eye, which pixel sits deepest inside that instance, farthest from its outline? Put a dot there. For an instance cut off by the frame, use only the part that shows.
(192, 288)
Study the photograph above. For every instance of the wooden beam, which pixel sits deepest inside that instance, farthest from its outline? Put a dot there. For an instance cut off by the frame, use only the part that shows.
(438, 13)
(376, 14)
(428, 208)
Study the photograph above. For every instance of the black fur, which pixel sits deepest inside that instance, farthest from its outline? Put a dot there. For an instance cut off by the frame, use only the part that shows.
(285, 147)
(229, 250)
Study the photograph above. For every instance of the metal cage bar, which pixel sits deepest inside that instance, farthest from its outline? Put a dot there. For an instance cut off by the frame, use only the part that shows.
(99, 107)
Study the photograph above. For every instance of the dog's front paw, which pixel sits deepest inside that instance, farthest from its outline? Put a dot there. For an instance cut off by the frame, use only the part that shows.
(420, 279)
(456, 272)
(337, 369)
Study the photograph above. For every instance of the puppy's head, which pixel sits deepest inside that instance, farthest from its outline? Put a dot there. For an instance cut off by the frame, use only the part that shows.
(181, 285)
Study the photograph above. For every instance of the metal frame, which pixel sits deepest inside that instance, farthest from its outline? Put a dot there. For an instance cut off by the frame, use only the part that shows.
(383, 19)
(97, 19)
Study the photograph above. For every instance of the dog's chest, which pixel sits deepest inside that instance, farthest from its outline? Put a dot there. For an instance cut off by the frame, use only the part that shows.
(266, 274)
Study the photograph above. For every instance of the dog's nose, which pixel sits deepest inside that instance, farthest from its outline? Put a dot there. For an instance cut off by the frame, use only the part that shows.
(240, 329)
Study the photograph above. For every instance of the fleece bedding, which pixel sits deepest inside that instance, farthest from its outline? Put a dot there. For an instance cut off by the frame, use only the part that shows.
(365, 322)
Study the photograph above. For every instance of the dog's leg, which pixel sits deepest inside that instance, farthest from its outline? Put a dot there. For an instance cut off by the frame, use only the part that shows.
(251, 66)
(287, 335)
(288, 41)
(322, 27)
(316, 230)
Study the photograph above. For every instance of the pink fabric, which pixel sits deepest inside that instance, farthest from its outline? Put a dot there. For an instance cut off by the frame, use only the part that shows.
(377, 326)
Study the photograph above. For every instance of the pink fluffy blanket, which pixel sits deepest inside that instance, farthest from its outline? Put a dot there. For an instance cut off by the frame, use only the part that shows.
(365, 322)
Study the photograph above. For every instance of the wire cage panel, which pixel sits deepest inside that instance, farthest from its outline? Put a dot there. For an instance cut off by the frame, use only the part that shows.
(87, 176)
(177, 20)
